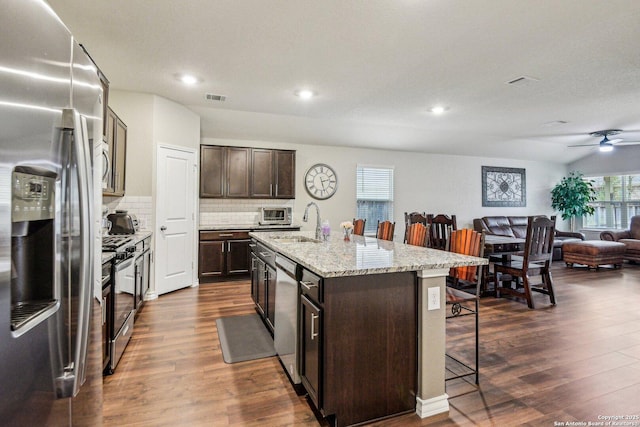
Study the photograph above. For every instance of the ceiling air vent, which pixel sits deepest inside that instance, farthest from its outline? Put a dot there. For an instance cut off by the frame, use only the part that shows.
(213, 97)
(521, 81)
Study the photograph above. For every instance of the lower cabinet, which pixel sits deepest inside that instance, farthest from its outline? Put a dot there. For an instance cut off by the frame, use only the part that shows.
(310, 348)
(358, 345)
(223, 254)
(258, 282)
(263, 283)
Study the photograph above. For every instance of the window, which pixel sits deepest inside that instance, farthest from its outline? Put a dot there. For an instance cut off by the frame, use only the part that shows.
(374, 194)
(617, 200)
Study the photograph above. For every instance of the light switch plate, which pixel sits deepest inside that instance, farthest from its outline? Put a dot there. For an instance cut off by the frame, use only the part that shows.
(434, 299)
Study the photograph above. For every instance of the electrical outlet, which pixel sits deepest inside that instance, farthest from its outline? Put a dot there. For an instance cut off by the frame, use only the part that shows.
(433, 302)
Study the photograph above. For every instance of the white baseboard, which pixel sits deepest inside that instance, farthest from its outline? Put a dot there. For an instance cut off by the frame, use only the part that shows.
(433, 406)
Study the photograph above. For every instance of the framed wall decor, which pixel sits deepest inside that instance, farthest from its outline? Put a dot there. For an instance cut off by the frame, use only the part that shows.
(503, 187)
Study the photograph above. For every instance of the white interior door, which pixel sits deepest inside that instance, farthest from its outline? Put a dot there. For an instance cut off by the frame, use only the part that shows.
(175, 218)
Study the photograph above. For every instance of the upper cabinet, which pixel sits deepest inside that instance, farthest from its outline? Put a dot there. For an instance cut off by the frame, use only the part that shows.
(240, 172)
(212, 176)
(116, 139)
(284, 174)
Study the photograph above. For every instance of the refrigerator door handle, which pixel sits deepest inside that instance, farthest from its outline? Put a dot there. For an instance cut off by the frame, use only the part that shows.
(73, 375)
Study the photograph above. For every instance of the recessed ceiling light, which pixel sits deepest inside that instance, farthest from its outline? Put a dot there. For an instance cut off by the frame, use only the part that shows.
(438, 109)
(187, 79)
(305, 94)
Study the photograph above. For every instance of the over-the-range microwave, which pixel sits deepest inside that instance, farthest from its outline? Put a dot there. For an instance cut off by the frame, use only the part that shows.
(275, 216)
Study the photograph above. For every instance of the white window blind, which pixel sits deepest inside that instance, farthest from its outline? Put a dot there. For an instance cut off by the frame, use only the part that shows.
(374, 194)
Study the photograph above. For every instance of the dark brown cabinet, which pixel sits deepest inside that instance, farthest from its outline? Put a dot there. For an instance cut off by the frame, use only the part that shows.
(310, 348)
(263, 283)
(257, 283)
(223, 254)
(262, 173)
(212, 171)
(224, 171)
(241, 172)
(273, 173)
(237, 167)
(285, 174)
(358, 346)
(211, 259)
(116, 139)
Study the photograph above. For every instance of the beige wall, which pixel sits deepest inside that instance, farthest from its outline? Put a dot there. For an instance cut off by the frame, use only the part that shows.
(151, 120)
(423, 182)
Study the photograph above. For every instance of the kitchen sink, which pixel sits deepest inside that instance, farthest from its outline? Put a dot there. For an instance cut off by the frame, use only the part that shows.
(296, 239)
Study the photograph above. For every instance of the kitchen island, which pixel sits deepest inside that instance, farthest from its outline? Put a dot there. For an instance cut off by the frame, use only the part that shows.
(371, 324)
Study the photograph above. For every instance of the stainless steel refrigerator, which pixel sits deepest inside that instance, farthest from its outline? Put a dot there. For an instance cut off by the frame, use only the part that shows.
(50, 113)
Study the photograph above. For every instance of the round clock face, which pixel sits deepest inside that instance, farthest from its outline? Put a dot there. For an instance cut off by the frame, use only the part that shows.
(321, 181)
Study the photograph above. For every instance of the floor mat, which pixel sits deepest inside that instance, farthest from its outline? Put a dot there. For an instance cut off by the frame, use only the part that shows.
(244, 338)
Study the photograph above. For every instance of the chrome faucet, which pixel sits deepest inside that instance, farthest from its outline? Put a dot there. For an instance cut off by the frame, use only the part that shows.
(305, 218)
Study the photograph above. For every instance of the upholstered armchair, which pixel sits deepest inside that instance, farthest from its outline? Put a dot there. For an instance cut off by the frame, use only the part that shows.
(630, 237)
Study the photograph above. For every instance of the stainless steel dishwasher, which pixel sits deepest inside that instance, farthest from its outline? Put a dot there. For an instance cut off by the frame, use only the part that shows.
(285, 334)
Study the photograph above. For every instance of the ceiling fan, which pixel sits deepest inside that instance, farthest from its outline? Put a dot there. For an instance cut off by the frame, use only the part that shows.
(606, 144)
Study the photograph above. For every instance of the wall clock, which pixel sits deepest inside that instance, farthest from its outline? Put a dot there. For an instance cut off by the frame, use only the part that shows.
(321, 181)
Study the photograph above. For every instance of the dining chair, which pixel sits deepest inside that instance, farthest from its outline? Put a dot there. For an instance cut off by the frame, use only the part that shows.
(385, 230)
(463, 294)
(440, 227)
(412, 218)
(513, 275)
(417, 234)
(358, 226)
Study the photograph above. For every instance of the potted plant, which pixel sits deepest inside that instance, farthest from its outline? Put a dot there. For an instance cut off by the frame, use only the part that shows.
(571, 197)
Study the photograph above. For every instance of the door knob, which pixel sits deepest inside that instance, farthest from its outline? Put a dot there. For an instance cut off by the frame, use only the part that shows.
(163, 228)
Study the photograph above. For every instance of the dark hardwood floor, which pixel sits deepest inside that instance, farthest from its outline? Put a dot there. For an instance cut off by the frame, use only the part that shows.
(574, 361)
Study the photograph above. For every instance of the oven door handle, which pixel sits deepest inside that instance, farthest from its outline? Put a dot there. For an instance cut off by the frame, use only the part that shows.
(124, 264)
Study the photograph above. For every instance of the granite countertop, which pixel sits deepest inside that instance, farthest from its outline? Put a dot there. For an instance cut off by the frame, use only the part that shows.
(246, 227)
(361, 255)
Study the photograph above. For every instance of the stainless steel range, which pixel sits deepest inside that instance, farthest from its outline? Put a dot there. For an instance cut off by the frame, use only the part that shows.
(123, 295)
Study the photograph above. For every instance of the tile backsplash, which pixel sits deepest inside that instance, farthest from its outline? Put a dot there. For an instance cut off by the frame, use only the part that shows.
(235, 211)
(140, 206)
(212, 211)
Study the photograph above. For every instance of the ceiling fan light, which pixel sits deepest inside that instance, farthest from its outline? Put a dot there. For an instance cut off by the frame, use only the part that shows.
(605, 148)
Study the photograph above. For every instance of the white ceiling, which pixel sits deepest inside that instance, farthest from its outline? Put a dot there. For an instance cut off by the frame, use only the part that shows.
(379, 65)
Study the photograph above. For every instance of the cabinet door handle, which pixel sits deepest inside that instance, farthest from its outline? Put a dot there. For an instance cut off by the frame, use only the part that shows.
(225, 234)
(271, 189)
(266, 254)
(104, 310)
(276, 189)
(314, 334)
(308, 285)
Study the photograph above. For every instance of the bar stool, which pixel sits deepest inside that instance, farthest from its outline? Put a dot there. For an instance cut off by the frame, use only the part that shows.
(385, 230)
(358, 226)
(413, 218)
(463, 294)
(441, 226)
(417, 234)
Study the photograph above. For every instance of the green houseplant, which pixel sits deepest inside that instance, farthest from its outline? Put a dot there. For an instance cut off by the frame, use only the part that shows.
(571, 197)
